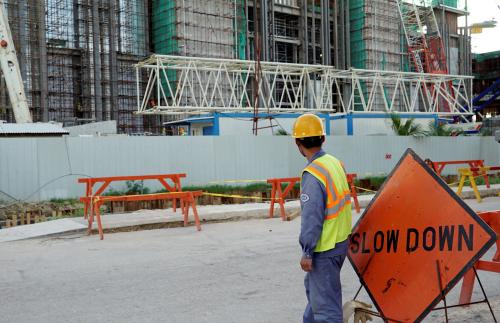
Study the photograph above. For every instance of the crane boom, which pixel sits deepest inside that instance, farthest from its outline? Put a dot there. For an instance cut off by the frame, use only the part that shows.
(11, 71)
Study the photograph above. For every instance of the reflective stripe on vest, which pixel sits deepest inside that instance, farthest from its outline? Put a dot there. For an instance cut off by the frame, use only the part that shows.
(335, 202)
(337, 222)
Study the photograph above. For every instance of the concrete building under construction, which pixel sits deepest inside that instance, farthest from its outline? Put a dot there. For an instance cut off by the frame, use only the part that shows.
(77, 56)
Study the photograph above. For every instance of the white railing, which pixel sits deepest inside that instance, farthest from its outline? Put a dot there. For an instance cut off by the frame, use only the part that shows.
(191, 85)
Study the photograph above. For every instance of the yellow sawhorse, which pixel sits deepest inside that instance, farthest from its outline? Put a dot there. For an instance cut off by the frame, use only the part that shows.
(469, 173)
(464, 174)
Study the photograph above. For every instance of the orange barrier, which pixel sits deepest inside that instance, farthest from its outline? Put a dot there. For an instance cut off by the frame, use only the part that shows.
(187, 200)
(474, 163)
(354, 194)
(282, 194)
(493, 220)
(279, 195)
(106, 181)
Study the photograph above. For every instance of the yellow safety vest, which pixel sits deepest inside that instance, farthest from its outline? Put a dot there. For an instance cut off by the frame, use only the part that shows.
(338, 218)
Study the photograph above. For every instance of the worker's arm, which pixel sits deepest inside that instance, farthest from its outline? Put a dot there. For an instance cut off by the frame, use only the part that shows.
(312, 201)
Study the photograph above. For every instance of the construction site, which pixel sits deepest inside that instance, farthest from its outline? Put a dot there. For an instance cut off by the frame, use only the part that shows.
(249, 161)
(78, 61)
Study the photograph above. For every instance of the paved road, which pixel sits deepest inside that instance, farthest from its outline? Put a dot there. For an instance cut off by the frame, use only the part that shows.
(229, 272)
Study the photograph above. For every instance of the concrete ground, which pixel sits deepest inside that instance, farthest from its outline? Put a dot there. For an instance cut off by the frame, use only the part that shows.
(244, 271)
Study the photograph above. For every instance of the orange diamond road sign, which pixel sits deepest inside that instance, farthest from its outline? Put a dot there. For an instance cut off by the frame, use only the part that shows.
(415, 230)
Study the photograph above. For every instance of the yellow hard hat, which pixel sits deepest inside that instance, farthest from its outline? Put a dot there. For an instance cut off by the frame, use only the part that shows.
(308, 125)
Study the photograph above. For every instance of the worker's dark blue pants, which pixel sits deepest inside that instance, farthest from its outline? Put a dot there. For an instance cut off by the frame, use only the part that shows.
(323, 288)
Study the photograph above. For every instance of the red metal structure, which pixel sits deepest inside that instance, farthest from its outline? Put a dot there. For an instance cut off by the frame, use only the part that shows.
(106, 181)
(493, 220)
(425, 45)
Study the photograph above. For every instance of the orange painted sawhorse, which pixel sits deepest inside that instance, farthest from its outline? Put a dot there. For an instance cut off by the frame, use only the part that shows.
(106, 181)
(187, 199)
(491, 218)
(278, 194)
(474, 163)
(277, 189)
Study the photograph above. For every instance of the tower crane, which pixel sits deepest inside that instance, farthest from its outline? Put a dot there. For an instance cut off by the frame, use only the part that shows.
(425, 44)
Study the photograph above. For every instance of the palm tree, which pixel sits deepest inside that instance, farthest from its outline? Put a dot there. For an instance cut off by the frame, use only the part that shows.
(407, 128)
(440, 129)
(281, 132)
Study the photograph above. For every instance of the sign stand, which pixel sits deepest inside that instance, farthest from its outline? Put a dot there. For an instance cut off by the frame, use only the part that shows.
(443, 296)
(414, 220)
(445, 307)
(485, 300)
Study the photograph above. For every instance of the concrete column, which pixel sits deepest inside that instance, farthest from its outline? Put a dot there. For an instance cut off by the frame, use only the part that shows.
(313, 33)
(42, 42)
(113, 60)
(336, 45)
(325, 32)
(304, 37)
(96, 35)
(341, 34)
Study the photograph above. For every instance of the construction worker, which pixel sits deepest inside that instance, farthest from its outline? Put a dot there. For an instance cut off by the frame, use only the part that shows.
(325, 222)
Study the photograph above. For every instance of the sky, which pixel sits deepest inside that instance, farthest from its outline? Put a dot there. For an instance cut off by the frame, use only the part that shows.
(483, 10)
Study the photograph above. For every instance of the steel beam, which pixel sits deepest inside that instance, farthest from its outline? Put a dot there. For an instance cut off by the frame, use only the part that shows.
(178, 85)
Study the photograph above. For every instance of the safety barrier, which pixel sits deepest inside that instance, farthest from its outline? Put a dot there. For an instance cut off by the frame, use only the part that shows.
(491, 218)
(278, 194)
(350, 179)
(473, 163)
(470, 174)
(106, 181)
(277, 189)
(187, 200)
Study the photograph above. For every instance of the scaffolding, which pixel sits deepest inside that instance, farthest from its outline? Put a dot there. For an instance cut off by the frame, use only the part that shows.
(77, 55)
(77, 59)
(193, 28)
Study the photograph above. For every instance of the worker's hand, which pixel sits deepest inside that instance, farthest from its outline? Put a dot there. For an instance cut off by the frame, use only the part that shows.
(306, 264)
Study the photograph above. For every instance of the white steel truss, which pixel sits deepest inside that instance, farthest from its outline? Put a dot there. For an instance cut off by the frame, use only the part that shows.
(192, 85)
